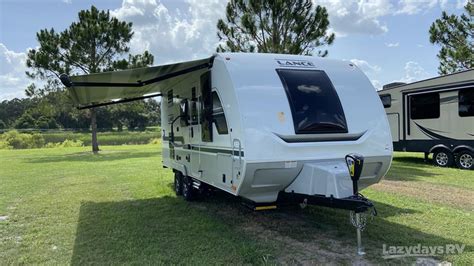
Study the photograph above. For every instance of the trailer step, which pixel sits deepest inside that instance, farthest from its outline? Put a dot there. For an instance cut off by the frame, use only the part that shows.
(263, 208)
(254, 206)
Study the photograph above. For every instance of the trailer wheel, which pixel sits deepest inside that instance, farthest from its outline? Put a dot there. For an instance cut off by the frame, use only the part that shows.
(443, 158)
(178, 183)
(465, 160)
(188, 190)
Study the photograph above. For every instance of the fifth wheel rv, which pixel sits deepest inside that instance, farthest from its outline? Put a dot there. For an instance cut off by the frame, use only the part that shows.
(434, 116)
(264, 127)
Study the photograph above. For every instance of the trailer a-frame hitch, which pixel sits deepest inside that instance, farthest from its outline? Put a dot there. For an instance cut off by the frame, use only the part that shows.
(359, 206)
(358, 218)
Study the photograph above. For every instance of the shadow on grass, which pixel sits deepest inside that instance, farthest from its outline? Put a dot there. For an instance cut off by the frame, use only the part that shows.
(164, 230)
(412, 160)
(169, 230)
(101, 157)
(410, 169)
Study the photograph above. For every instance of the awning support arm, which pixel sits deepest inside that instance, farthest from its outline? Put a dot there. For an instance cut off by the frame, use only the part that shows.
(119, 101)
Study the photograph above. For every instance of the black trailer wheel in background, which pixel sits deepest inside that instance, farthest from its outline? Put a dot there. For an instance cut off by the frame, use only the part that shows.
(443, 158)
(188, 190)
(178, 183)
(465, 160)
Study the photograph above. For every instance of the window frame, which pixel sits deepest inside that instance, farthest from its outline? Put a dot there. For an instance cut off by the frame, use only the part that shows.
(425, 94)
(219, 114)
(281, 71)
(206, 107)
(386, 95)
(471, 89)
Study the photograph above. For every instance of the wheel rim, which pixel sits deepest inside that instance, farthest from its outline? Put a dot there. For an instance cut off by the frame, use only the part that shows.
(442, 158)
(465, 160)
(185, 189)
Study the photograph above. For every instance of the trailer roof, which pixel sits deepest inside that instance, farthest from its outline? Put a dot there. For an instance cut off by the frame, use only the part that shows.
(461, 76)
(122, 86)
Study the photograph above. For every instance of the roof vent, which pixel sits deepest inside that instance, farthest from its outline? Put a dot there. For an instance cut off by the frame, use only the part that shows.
(392, 85)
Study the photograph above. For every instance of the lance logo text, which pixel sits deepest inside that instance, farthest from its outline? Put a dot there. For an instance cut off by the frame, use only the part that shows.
(294, 63)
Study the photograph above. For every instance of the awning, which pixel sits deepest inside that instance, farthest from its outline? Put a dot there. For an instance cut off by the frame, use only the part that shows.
(128, 85)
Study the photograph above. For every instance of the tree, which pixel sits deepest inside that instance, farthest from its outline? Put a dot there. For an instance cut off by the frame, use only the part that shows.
(279, 26)
(455, 35)
(95, 43)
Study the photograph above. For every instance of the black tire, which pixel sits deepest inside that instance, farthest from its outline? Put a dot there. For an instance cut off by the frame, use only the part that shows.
(178, 183)
(443, 158)
(188, 189)
(465, 160)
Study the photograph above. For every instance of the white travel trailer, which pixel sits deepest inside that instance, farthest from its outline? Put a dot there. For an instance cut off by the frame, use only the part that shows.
(264, 127)
(434, 116)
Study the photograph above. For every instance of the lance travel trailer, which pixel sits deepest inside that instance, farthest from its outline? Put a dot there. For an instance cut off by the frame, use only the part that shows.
(264, 127)
(434, 116)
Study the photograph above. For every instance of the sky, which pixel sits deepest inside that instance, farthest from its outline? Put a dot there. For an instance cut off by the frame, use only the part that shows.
(387, 39)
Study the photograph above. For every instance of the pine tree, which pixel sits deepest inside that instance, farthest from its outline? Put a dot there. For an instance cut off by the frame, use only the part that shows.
(95, 43)
(274, 26)
(455, 35)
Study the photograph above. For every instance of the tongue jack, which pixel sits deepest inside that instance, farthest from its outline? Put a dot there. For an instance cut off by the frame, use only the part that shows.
(354, 163)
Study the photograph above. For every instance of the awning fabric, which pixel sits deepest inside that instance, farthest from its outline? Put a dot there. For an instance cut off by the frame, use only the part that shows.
(120, 86)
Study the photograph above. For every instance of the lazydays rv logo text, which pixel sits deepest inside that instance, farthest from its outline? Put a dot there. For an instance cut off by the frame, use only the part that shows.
(420, 251)
(294, 63)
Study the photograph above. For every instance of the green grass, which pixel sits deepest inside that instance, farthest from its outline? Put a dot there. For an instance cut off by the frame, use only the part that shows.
(65, 205)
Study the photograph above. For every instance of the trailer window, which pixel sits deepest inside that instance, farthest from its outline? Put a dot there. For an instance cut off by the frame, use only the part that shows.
(206, 107)
(466, 102)
(424, 106)
(314, 103)
(218, 114)
(386, 100)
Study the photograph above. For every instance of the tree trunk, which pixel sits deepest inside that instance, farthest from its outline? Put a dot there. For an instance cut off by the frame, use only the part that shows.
(95, 145)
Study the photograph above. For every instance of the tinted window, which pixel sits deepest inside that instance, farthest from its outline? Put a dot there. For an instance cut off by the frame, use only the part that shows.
(206, 107)
(218, 114)
(314, 103)
(466, 102)
(424, 106)
(386, 100)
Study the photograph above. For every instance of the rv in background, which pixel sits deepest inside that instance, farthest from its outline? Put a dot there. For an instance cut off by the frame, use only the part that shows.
(434, 116)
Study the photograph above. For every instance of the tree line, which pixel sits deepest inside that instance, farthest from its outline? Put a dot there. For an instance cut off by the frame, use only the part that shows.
(54, 111)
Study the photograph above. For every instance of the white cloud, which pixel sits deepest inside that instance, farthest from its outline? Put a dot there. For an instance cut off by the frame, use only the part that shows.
(414, 72)
(13, 80)
(372, 71)
(391, 45)
(412, 7)
(356, 17)
(364, 16)
(67, 1)
(365, 66)
(171, 34)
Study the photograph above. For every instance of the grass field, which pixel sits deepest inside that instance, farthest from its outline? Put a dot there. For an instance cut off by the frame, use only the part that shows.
(104, 138)
(65, 205)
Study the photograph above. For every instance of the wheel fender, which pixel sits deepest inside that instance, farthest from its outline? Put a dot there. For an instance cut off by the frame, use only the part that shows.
(463, 147)
(180, 167)
(439, 146)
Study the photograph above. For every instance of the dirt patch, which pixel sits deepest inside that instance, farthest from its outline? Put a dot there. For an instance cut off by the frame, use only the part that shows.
(316, 250)
(455, 197)
(278, 228)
